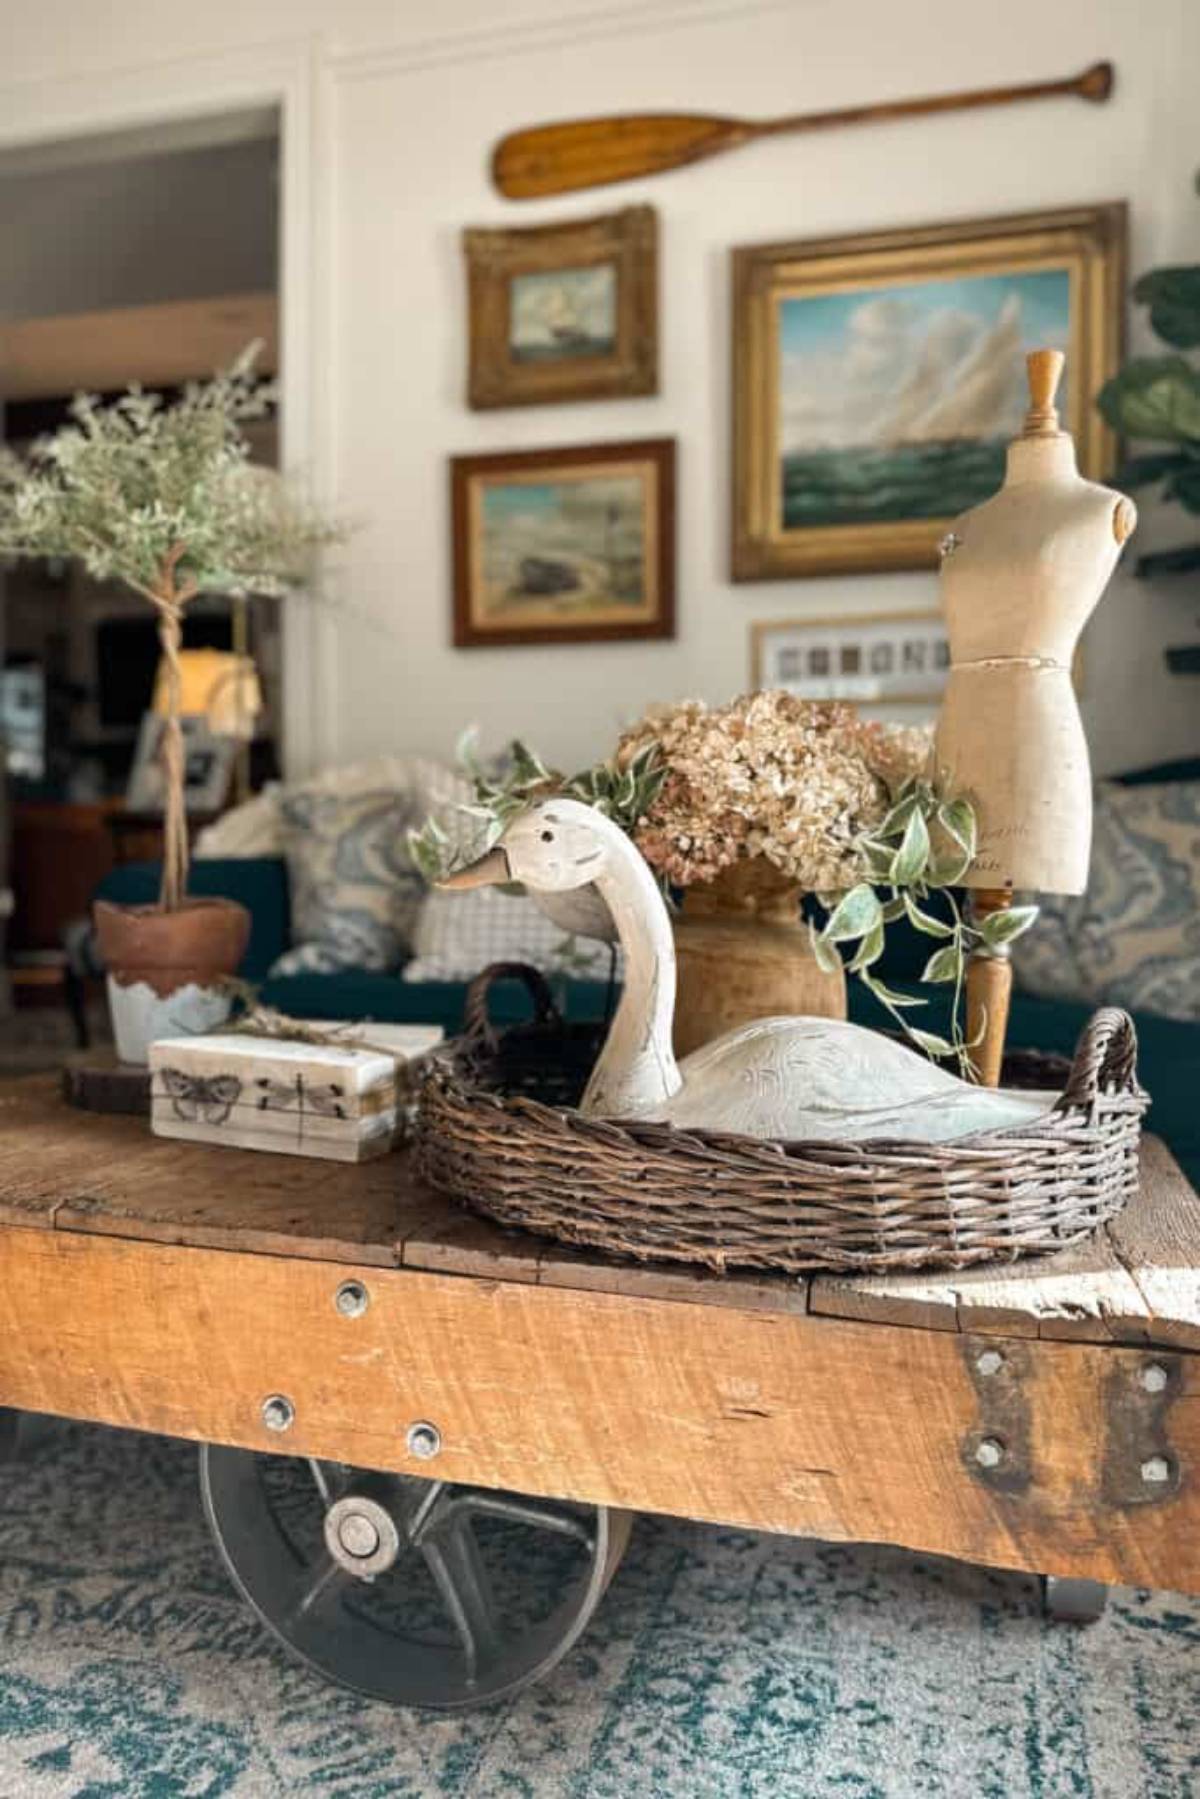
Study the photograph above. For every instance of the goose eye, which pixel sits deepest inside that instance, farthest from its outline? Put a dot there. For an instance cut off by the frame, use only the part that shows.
(547, 836)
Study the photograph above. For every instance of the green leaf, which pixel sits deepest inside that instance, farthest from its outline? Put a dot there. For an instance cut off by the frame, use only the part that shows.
(1184, 484)
(827, 958)
(1140, 471)
(1173, 296)
(1154, 396)
(947, 871)
(897, 819)
(908, 863)
(869, 950)
(855, 914)
(957, 817)
(1169, 562)
(999, 928)
(895, 908)
(945, 964)
(930, 1042)
(925, 921)
(888, 995)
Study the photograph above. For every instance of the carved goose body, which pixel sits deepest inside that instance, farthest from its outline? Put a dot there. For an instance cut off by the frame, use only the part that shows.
(799, 1079)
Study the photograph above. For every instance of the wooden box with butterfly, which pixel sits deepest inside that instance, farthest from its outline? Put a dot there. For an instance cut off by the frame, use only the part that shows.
(302, 1099)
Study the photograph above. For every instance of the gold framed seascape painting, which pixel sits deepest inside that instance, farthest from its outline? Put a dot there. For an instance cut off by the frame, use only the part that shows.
(878, 379)
(566, 545)
(564, 312)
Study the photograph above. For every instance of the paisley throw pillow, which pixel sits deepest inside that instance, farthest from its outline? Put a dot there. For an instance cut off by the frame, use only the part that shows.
(355, 892)
(1133, 939)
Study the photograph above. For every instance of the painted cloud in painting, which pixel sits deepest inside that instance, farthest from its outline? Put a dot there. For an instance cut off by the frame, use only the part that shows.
(935, 362)
(897, 403)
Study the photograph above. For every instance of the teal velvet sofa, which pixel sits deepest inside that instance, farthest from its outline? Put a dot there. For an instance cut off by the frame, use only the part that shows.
(1169, 1049)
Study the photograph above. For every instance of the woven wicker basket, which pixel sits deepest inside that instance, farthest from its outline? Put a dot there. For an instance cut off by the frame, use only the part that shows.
(497, 1129)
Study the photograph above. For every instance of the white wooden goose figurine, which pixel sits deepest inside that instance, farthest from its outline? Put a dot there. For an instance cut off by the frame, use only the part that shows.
(791, 1078)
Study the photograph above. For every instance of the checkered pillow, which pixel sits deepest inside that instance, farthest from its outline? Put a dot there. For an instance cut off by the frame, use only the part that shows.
(457, 934)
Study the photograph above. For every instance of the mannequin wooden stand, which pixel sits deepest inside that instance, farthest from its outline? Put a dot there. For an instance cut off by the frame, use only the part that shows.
(989, 992)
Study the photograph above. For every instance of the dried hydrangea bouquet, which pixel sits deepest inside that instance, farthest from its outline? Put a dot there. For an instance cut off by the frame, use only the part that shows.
(747, 808)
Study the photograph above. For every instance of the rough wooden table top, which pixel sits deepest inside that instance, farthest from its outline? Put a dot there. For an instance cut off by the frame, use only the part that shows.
(1138, 1281)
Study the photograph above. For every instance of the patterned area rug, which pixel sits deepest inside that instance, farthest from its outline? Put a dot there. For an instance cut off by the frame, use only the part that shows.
(720, 1666)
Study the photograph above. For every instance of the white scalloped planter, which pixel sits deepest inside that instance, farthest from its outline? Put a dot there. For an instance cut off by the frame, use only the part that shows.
(165, 969)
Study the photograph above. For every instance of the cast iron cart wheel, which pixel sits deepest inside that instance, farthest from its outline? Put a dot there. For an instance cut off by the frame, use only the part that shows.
(1073, 1601)
(10, 1434)
(412, 1591)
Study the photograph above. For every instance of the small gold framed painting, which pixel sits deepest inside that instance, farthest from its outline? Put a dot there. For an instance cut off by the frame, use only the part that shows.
(878, 379)
(564, 312)
(876, 659)
(564, 546)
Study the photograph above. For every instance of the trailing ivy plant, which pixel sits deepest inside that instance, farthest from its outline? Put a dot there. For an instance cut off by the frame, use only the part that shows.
(924, 846)
(521, 778)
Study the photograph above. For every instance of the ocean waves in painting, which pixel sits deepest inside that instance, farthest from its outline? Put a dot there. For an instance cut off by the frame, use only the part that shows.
(861, 485)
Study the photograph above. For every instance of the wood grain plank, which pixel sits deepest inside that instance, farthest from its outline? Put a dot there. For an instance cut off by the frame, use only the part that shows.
(785, 1423)
(453, 1241)
(108, 1175)
(587, 1271)
(1095, 1292)
(1158, 1241)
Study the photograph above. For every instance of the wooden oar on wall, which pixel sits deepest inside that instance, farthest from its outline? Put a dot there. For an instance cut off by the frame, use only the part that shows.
(560, 159)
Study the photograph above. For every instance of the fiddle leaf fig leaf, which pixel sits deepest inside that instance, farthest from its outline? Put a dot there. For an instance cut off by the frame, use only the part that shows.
(1154, 396)
(1173, 296)
(1169, 562)
(855, 914)
(908, 863)
(1000, 928)
(945, 964)
(1183, 484)
(1140, 471)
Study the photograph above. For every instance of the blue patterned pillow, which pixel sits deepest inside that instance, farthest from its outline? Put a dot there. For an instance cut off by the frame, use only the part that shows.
(355, 892)
(1133, 939)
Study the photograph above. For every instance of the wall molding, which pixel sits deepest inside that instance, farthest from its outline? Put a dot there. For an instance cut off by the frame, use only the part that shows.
(528, 36)
(286, 74)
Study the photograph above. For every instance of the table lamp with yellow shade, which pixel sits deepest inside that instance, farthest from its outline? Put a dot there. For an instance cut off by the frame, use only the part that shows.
(221, 686)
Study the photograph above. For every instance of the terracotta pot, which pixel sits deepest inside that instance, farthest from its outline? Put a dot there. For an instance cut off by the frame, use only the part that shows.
(743, 953)
(164, 968)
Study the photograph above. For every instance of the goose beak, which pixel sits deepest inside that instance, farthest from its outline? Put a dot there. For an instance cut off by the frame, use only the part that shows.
(491, 870)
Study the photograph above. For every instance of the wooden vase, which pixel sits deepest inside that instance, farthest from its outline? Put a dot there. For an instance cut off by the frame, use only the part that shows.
(743, 953)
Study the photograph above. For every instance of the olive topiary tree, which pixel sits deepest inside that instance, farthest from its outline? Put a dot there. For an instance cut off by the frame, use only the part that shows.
(163, 498)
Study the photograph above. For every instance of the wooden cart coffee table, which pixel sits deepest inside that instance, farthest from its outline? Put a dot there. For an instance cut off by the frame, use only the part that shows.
(1043, 1416)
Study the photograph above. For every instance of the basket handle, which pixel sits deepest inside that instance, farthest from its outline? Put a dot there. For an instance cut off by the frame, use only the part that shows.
(1105, 1059)
(478, 1026)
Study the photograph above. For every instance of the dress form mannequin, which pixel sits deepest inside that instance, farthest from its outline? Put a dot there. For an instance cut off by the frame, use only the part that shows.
(1021, 575)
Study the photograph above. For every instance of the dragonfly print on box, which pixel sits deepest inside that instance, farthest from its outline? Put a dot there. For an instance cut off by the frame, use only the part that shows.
(323, 1099)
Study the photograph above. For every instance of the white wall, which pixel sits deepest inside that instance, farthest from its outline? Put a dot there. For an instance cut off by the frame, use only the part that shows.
(409, 102)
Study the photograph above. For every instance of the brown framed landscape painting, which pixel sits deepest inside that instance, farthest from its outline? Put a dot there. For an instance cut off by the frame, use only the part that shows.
(565, 545)
(878, 379)
(564, 312)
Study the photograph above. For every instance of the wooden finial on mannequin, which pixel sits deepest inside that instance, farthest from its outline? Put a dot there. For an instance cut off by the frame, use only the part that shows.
(1044, 372)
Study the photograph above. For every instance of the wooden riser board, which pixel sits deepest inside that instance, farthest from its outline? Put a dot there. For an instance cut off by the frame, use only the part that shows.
(772, 1420)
